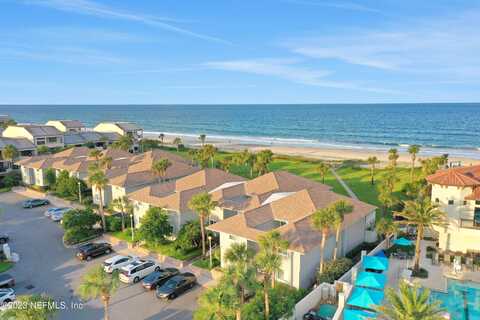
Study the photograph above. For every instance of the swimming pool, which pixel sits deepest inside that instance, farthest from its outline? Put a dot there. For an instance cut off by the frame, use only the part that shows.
(462, 300)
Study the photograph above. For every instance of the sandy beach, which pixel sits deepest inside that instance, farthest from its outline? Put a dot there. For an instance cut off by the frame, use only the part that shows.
(309, 152)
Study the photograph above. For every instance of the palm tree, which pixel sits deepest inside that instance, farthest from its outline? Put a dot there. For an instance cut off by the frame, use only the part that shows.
(124, 205)
(9, 153)
(9, 122)
(160, 167)
(261, 161)
(218, 302)
(106, 163)
(95, 153)
(177, 142)
(386, 226)
(161, 137)
(226, 163)
(425, 215)
(98, 284)
(202, 138)
(372, 161)
(393, 157)
(323, 169)
(208, 152)
(245, 158)
(410, 303)
(322, 221)
(192, 154)
(341, 208)
(31, 307)
(203, 205)
(413, 150)
(98, 180)
(240, 272)
(125, 143)
(269, 261)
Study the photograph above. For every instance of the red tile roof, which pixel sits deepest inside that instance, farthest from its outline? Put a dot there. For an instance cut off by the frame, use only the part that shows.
(458, 177)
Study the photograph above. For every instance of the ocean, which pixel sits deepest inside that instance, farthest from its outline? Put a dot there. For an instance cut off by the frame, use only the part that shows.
(452, 128)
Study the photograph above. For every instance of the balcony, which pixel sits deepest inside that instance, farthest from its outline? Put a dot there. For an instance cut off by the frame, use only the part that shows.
(470, 224)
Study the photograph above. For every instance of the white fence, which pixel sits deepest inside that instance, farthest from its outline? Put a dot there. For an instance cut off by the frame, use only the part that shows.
(324, 292)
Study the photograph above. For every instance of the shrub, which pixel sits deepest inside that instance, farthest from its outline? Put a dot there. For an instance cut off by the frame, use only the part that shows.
(155, 226)
(356, 252)
(334, 269)
(84, 219)
(114, 223)
(189, 236)
(11, 179)
(50, 178)
(421, 273)
(76, 235)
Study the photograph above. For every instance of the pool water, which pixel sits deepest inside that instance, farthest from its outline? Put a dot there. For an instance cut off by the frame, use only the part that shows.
(327, 310)
(462, 300)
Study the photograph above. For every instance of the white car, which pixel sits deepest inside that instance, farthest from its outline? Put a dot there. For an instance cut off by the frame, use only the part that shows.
(7, 295)
(117, 262)
(50, 211)
(58, 214)
(137, 270)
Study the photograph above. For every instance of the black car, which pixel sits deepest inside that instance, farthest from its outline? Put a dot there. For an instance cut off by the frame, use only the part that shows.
(35, 203)
(6, 280)
(157, 278)
(90, 250)
(312, 315)
(176, 286)
(4, 238)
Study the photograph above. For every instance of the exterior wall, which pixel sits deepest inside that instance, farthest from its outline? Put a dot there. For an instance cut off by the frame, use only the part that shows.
(58, 125)
(17, 132)
(28, 175)
(310, 261)
(40, 177)
(139, 210)
(108, 127)
(107, 195)
(226, 240)
(456, 237)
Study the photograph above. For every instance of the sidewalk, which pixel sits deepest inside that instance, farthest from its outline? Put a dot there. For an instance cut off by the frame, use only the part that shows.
(344, 185)
(56, 201)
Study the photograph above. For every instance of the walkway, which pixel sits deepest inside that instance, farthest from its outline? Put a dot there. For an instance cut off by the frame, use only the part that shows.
(344, 185)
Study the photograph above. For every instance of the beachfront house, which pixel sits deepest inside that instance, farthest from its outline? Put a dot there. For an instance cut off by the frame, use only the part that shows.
(24, 147)
(90, 138)
(67, 126)
(174, 196)
(123, 129)
(38, 134)
(457, 192)
(138, 174)
(284, 202)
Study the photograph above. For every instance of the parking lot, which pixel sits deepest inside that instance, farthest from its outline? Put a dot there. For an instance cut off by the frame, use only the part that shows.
(47, 266)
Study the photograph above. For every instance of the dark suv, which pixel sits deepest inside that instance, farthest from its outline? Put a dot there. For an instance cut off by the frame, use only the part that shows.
(35, 203)
(90, 250)
(4, 238)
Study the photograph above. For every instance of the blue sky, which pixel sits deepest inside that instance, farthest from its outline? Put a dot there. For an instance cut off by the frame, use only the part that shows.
(238, 51)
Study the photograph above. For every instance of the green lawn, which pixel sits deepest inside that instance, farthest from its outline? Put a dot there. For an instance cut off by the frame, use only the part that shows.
(4, 266)
(5, 189)
(205, 263)
(358, 179)
(166, 249)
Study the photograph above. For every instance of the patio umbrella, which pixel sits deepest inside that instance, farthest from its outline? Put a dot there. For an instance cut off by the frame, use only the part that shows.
(380, 254)
(371, 280)
(403, 242)
(350, 314)
(365, 298)
(375, 263)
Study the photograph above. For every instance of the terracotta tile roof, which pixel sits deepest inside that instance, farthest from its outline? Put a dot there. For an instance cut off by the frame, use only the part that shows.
(294, 211)
(175, 195)
(459, 177)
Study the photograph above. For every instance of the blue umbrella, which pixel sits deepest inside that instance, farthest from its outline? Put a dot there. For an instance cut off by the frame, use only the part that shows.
(403, 242)
(350, 314)
(380, 254)
(371, 280)
(365, 298)
(375, 263)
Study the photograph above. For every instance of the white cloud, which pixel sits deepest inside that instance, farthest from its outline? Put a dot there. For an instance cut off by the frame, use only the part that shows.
(288, 69)
(92, 8)
(445, 46)
(343, 5)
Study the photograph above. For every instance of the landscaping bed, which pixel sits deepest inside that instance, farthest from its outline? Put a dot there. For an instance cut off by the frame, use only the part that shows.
(5, 265)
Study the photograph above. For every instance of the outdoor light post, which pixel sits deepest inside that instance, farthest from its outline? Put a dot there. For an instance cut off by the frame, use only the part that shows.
(210, 251)
(79, 192)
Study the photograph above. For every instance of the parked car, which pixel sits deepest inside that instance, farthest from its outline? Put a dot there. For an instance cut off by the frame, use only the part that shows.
(116, 262)
(50, 211)
(7, 295)
(35, 203)
(157, 278)
(6, 280)
(58, 215)
(312, 315)
(176, 286)
(4, 238)
(137, 270)
(94, 249)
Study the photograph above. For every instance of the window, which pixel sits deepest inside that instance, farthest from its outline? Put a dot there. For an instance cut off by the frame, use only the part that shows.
(232, 237)
(477, 202)
(450, 202)
(52, 139)
(40, 141)
(464, 202)
(437, 200)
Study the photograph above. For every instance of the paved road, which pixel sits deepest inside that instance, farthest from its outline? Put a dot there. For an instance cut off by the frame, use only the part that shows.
(49, 267)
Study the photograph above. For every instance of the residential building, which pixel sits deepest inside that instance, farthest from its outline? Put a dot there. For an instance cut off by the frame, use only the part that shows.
(123, 129)
(38, 134)
(25, 148)
(97, 139)
(457, 192)
(67, 126)
(139, 174)
(174, 196)
(288, 208)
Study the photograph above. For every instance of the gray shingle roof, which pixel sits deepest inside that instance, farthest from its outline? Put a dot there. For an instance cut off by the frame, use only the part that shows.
(89, 136)
(72, 123)
(41, 130)
(128, 126)
(19, 143)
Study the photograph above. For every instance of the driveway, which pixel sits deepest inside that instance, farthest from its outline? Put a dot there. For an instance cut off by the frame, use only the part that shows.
(47, 266)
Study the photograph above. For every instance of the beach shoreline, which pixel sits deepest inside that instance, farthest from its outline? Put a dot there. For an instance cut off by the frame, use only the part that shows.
(310, 152)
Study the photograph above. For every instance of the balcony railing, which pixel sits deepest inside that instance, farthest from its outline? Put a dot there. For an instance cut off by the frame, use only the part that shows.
(469, 224)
